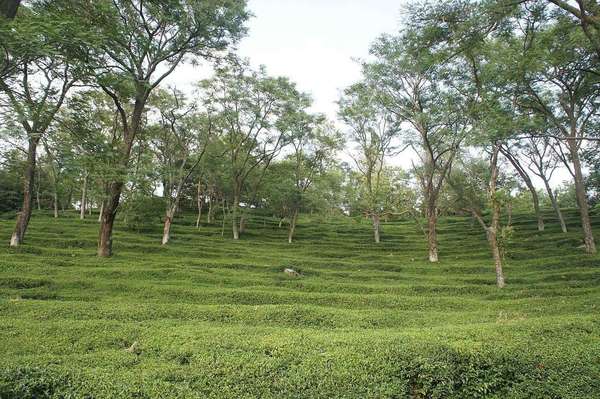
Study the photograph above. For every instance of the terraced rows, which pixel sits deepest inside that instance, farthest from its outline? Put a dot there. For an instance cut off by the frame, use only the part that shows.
(210, 317)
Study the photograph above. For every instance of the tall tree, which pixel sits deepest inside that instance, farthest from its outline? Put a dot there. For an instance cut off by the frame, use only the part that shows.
(140, 44)
(408, 78)
(372, 127)
(247, 107)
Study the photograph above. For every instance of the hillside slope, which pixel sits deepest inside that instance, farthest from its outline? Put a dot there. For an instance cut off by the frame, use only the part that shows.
(208, 317)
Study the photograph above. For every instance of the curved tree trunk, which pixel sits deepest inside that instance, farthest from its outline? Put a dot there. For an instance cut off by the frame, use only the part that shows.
(28, 186)
(588, 236)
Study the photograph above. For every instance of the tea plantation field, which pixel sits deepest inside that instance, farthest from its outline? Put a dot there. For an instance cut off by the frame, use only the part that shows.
(207, 317)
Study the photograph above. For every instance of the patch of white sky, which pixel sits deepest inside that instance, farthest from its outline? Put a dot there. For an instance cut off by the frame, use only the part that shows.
(316, 43)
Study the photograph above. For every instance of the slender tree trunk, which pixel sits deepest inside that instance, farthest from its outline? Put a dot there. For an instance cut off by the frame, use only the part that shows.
(495, 223)
(200, 202)
(83, 197)
(28, 185)
(209, 216)
(590, 244)
(101, 211)
(292, 230)
(281, 222)
(432, 232)
(510, 215)
(375, 218)
(224, 217)
(108, 215)
(559, 214)
(234, 216)
(55, 195)
(37, 189)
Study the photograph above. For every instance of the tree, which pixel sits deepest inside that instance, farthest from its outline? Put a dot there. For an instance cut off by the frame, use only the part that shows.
(373, 129)
(246, 108)
(33, 93)
(139, 45)
(407, 76)
(180, 140)
(557, 84)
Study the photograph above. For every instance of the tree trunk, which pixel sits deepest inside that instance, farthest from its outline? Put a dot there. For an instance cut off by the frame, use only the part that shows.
(108, 215)
(55, 202)
(375, 218)
(167, 226)
(209, 216)
(234, 214)
(509, 210)
(83, 197)
(281, 222)
(28, 186)
(200, 202)
(293, 222)
(37, 189)
(590, 244)
(432, 232)
(8, 8)
(495, 223)
(101, 211)
(559, 214)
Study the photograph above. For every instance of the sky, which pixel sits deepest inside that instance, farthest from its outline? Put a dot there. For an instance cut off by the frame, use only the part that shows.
(316, 44)
(313, 42)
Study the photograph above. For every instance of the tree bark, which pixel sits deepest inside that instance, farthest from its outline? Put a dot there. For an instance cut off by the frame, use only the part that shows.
(83, 197)
(28, 186)
(559, 214)
(495, 223)
(8, 8)
(200, 202)
(167, 226)
(234, 214)
(209, 216)
(590, 244)
(55, 196)
(101, 211)
(293, 226)
(432, 232)
(375, 218)
(108, 215)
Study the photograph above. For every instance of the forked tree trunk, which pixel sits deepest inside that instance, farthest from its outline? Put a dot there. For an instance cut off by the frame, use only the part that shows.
(492, 233)
(559, 214)
(432, 232)
(588, 236)
(108, 215)
(292, 230)
(375, 218)
(28, 186)
(83, 197)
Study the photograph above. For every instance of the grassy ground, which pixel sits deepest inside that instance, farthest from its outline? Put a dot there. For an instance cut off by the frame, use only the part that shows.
(211, 317)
